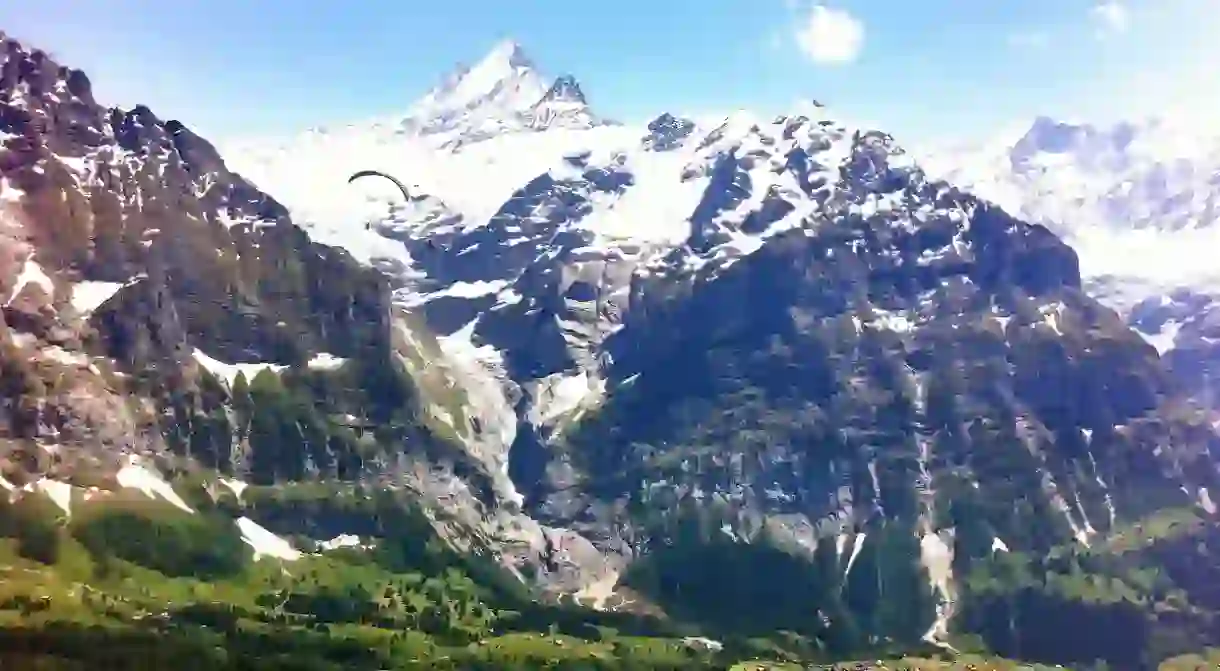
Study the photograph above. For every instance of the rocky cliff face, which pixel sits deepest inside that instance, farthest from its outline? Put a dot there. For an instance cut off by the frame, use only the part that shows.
(147, 286)
(159, 305)
(1138, 200)
(908, 371)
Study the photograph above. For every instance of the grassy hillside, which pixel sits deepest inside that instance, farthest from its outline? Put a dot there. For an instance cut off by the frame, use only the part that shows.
(124, 582)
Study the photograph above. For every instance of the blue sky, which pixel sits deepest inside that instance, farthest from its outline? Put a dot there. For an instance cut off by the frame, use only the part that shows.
(929, 70)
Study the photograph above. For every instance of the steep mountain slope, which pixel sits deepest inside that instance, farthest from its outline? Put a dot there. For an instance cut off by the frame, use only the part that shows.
(653, 374)
(161, 307)
(143, 275)
(179, 360)
(1139, 201)
(722, 338)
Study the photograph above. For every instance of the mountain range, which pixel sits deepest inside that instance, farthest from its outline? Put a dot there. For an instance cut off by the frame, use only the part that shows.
(595, 376)
(1139, 201)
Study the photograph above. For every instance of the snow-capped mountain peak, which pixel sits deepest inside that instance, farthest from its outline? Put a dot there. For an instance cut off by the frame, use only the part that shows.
(1155, 174)
(1047, 134)
(565, 89)
(503, 84)
(502, 93)
(1050, 142)
(508, 53)
(563, 104)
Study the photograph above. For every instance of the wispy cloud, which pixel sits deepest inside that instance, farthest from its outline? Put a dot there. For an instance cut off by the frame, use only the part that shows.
(829, 36)
(1111, 18)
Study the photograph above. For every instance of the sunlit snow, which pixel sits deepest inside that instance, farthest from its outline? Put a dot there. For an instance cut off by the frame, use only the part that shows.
(228, 371)
(340, 541)
(265, 543)
(31, 273)
(235, 486)
(89, 296)
(325, 361)
(59, 492)
(1205, 501)
(1164, 340)
(937, 557)
(136, 476)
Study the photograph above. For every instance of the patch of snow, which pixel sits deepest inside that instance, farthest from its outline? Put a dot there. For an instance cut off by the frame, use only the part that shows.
(855, 552)
(63, 356)
(340, 541)
(479, 372)
(474, 289)
(1081, 534)
(1165, 339)
(31, 273)
(508, 297)
(136, 476)
(891, 321)
(599, 591)
(658, 206)
(1052, 316)
(937, 557)
(235, 486)
(229, 221)
(560, 394)
(89, 295)
(325, 361)
(1205, 501)
(265, 543)
(228, 371)
(59, 492)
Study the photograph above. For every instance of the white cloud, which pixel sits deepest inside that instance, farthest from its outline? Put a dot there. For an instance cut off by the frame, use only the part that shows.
(1111, 17)
(830, 36)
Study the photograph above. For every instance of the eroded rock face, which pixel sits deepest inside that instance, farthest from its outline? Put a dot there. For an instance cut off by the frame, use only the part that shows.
(930, 370)
(838, 349)
(128, 248)
(157, 303)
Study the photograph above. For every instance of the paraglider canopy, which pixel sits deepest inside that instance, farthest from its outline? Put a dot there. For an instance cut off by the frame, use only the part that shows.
(371, 173)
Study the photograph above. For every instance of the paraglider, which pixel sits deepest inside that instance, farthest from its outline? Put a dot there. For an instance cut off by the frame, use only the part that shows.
(370, 173)
(368, 226)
